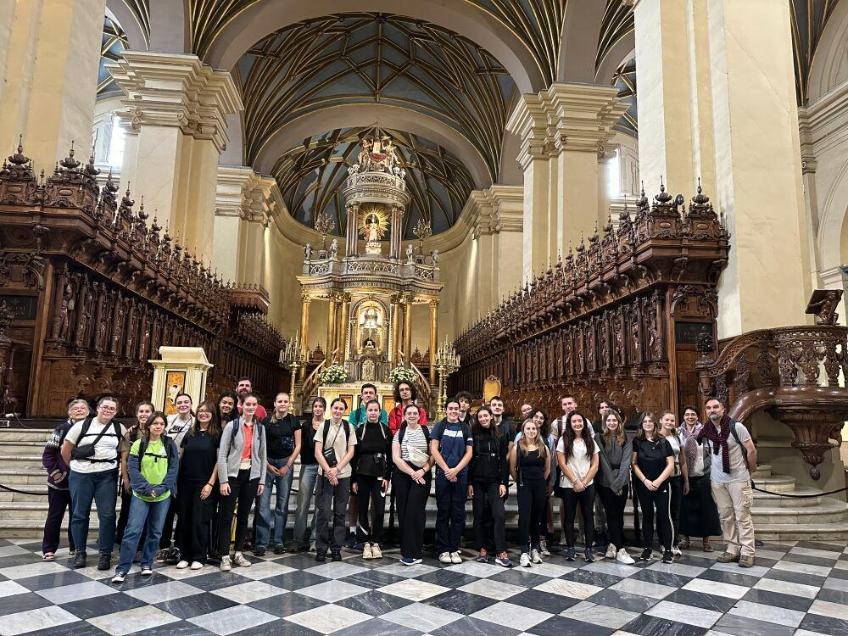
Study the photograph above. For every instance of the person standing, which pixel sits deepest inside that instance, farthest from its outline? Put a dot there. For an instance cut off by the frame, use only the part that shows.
(698, 512)
(488, 481)
(334, 448)
(526, 411)
(613, 482)
(242, 458)
(451, 446)
(652, 463)
(734, 458)
(371, 474)
(577, 456)
(93, 448)
(308, 474)
(154, 462)
(244, 387)
(411, 482)
(58, 495)
(530, 467)
(196, 491)
(143, 411)
(405, 394)
(178, 425)
(679, 480)
(500, 420)
(227, 411)
(464, 398)
(282, 430)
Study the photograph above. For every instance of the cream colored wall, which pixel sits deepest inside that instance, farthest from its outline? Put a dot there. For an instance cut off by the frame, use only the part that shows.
(283, 262)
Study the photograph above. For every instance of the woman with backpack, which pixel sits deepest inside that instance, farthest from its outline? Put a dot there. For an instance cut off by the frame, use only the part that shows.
(371, 479)
(530, 466)
(411, 482)
(196, 492)
(577, 457)
(153, 465)
(334, 447)
(58, 495)
(242, 457)
(143, 411)
(488, 481)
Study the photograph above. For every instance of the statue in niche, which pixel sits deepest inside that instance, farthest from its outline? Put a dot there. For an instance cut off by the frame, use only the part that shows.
(334, 249)
(409, 254)
(370, 331)
(67, 308)
(369, 371)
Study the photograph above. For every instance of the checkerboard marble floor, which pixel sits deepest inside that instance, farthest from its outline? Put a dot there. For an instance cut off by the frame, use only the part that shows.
(795, 588)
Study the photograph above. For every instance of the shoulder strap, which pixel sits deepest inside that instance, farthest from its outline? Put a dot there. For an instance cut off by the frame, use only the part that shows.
(742, 450)
(346, 427)
(85, 426)
(466, 432)
(233, 432)
(324, 430)
(142, 448)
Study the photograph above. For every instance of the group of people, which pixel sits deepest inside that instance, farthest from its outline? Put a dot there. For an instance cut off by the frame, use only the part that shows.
(189, 481)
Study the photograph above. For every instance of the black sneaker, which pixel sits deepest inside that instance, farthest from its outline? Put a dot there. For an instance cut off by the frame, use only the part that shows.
(337, 555)
(259, 550)
(668, 557)
(105, 561)
(174, 556)
(79, 560)
(570, 554)
(279, 549)
(589, 556)
(646, 554)
(320, 557)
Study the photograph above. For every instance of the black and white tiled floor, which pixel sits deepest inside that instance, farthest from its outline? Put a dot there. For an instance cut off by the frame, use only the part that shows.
(797, 588)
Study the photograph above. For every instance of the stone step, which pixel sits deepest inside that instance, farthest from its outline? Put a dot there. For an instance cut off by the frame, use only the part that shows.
(21, 448)
(775, 483)
(25, 434)
(763, 470)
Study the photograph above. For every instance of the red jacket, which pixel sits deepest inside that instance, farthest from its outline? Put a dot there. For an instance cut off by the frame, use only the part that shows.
(396, 417)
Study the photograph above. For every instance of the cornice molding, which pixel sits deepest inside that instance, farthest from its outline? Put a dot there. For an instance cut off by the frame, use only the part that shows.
(825, 122)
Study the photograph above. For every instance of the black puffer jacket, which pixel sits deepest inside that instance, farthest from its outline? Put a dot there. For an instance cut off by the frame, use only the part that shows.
(489, 462)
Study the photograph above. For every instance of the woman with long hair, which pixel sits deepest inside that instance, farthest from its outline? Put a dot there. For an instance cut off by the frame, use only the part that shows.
(143, 411)
(405, 394)
(613, 481)
(530, 467)
(679, 480)
(411, 482)
(698, 511)
(227, 410)
(154, 462)
(488, 481)
(577, 457)
(371, 474)
(308, 474)
(242, 457)
(196, 491)
(652, 462)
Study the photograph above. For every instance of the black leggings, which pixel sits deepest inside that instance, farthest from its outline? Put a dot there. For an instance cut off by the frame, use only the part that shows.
(412, 514)
(648, 500)
(372, 509)
(586, 500)
(614, 507)
(489, 517)
(195, 516)
(242, 492)
(531, 509)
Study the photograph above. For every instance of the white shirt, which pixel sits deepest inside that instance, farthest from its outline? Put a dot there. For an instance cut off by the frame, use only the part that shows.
(579, 462)
(107, 447)
(178, 428)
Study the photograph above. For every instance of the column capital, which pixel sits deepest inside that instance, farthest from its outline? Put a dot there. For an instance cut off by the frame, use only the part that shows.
(176, 91)
(243, 193)
(499, 208)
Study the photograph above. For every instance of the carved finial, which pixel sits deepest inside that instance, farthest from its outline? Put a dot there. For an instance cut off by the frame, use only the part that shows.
(141, 213)
(70, 162)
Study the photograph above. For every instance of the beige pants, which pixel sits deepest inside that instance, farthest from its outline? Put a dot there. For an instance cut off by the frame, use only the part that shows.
(734, 501)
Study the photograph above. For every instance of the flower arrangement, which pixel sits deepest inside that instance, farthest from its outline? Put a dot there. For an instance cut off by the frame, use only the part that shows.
(402, 374)
(334, 374)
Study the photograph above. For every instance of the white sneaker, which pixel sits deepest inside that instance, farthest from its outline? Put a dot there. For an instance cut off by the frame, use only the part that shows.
(182, 565)
(146, 570)
(676, 551)
(535, 556)
(524, 561)
(623, 557)
(376, 552)
(367, 552)
(226, 566)
(239, 560)
(456, 557)
(118, 578)
(196, 565)
(610, 551)
(445, 557)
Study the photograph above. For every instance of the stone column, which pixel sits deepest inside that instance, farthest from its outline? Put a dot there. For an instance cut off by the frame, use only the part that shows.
(434, 339)
(305, 301)
(352, 242)
(243, 209)
(332, 309)
(396, 232)
(396, 309)
(407, 328)
(175, 115)
(343, 328)
(49, 56)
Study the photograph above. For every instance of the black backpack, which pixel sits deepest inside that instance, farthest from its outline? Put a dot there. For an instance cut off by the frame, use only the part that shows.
(402, 432)
(85, 452)
(170, 449)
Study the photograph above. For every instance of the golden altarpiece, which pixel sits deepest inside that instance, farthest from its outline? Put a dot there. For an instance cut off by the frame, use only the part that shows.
(371, 288)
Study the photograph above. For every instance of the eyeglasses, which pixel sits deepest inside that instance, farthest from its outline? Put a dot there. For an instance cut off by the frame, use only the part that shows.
(108, 408)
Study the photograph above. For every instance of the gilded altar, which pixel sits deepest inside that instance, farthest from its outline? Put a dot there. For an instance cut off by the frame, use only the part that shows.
(371, 285)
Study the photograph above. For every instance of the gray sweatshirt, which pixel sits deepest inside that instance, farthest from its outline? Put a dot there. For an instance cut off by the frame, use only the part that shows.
(615, 462)
(228, 463)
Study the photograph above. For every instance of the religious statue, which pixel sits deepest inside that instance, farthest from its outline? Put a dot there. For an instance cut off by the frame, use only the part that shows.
(372, 235)
(334, 249)
(307, 252)
(364, 158)
(409, 254)
(435, 256)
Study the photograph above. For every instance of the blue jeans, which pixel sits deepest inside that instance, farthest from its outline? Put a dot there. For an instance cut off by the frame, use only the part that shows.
(281, 512)
(305, 490)
(102, 488)
(143, 514)
(450, 511)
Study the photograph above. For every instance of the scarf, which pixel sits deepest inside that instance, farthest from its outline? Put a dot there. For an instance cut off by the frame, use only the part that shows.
(690, 443)
(718, 439)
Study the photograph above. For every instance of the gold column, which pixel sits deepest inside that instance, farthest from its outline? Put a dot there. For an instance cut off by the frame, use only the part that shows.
(434, 312)
(332, 306)
(343, 327)
(304, 332)
(407, 328)
(395, 330)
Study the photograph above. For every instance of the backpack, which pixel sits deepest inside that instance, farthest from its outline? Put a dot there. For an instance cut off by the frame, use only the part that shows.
(170, 449)
(465, 426)
(402, 431)
(235, 430)
(81, 452)
(326, 429)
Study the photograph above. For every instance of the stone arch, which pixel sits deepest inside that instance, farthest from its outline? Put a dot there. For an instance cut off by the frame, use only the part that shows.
(355, 115)
(829, 67)
(579, 42)
(832, 239)
(136, 33)
(621, 52)
(266, 16)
